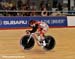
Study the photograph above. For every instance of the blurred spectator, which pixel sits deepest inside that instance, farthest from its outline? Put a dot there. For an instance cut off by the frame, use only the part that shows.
(48, 6)
(65, 9)
(13, 7)
(44, 12)
(24, 7)
(19, 4)
(33, 6)
(33, 14)
(72, 11)
(42, 5)
(28, 4)
(59, 6)
(56, 13)
(19, 14)
(55, 3)
(72, 8)
(1, 8)
(7, 5)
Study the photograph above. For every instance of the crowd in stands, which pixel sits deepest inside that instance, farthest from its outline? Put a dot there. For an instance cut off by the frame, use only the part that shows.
(10, 8)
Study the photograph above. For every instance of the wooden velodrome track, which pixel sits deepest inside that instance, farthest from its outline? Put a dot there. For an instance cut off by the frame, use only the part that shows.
(10, 47)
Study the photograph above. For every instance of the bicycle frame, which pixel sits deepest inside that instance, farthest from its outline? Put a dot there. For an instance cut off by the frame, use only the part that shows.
(32, 35)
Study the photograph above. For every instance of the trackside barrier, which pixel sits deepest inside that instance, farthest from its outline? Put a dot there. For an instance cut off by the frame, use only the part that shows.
(21, 22)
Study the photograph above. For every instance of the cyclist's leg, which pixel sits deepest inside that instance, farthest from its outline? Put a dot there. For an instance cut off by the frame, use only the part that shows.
(42, 37)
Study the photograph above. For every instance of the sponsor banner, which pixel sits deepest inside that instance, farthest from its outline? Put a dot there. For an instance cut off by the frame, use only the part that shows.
(21, 22)
(71, 20)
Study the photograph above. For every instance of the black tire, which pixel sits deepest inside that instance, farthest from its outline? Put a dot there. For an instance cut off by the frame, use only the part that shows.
(50, 43)
(25, 45)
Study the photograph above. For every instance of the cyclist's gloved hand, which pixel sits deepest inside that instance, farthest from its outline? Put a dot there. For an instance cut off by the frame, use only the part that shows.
(27, 31)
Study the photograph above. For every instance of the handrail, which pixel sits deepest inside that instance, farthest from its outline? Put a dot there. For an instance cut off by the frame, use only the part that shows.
(31, 11)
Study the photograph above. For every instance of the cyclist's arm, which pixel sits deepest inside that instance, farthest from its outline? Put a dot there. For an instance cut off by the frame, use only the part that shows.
(34, 29)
